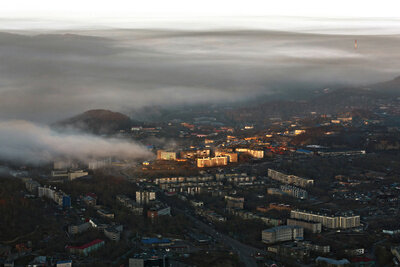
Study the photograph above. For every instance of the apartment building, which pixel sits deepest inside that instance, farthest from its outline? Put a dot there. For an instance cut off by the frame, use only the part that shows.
(232, 156)
(212, 162)
(144, 196)
(289, 179)
(259, 154)
(294, 191)
(166, 155)
(311, 227)
(282, 233)
(344, 221)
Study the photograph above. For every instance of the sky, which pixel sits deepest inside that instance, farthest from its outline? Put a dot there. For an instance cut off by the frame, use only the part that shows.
(184, 14)
(61, 58)
(95, 9)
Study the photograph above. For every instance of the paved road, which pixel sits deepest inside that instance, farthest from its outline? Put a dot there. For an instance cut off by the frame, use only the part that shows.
(244, 252)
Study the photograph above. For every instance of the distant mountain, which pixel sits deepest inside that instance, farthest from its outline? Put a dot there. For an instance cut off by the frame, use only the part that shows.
(392, 86)
(97, 121)
(340, 100)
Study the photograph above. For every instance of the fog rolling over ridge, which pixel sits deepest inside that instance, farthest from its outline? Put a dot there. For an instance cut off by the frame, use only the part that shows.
(47, 77)
(26, 142)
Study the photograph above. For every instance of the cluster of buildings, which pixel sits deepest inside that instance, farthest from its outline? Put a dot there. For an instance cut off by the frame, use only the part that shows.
(299, 250)
(193, 185)
(205, 158)
(210, 215)
(144, 198)
(49, 192)
(190, 185)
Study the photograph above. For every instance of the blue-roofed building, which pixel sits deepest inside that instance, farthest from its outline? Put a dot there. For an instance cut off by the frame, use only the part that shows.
(154, 241)
(66, 201)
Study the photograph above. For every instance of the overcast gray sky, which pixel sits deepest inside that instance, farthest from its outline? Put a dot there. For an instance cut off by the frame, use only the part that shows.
(46, 77)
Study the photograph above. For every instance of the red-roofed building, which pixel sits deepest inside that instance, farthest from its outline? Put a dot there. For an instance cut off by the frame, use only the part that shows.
(86, 248)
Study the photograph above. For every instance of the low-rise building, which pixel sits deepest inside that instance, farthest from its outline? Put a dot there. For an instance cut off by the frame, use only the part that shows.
(396, 252)
(72, 175)
(323, 249)
(32, 186)
(64, 263)
(78, 228)
(90, 199)
(134, 207)
(234, 202)
(105, 213)
(322, 261)
(113, 232)
(158, 209)
(86, 249)
(290, 250)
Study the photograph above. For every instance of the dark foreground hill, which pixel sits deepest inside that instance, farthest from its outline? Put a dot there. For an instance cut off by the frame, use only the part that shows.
(97, 121)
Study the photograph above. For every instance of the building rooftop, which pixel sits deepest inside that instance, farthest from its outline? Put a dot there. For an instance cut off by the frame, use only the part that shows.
(94, 242)
(154, 240)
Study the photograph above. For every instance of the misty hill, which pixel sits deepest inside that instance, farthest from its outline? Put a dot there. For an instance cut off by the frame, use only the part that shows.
(97, 121)
(390, 87)
(339, 100)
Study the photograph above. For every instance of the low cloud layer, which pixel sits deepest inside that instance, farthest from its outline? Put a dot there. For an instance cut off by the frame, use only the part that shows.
(49, 77)
(26, 142)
